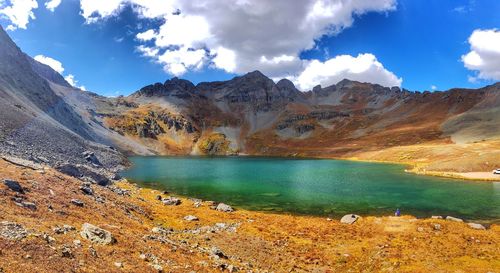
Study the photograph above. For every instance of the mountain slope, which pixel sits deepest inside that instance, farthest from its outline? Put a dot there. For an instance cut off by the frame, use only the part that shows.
(37, 123)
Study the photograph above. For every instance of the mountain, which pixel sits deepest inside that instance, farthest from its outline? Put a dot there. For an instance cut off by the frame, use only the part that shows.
(37, 123)
(247, 115)
(251, 114)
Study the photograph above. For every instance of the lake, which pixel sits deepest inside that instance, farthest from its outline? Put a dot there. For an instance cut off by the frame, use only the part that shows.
(316, 186)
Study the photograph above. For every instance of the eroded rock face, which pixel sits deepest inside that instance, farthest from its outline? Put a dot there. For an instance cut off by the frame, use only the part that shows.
(349, 219)
(96, 234)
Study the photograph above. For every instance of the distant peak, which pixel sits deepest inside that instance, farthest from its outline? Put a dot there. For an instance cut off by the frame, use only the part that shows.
(285, 84)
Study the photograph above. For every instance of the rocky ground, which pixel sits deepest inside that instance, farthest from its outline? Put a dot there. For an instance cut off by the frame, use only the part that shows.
(50, 222)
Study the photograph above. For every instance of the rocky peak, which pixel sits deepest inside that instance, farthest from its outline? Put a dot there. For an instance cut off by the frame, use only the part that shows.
(285, 84)
(179, 84)
(174, 87)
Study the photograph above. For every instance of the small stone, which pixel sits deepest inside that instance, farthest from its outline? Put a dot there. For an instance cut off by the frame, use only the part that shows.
(224, 208)
(454, 219)
(329, 219)
(13, 186)
(437, 227)
(349, 219)
(476, 226)
(77, 243)
(437, 217)
(28, 256)
(420, 229)
(217, 253)
(143, 256)
(48, 238)
(29, 205)
(66, 252)
(157, 267)
(159, 198)
(96, 234)
(77, 202)
(118, 264)
(171, 201)
(191, 218)
(86, 189)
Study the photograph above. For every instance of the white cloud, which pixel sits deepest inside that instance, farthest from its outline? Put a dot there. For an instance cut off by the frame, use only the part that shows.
(364, 68)
(484, 57)
(58, 67)
(433, 87)
(242, 36)
(52, 4)
(146, 36)
(54, 64)
(18, 12)
(71, 80)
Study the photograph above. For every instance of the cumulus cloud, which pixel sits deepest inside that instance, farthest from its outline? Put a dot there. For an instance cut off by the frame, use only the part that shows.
(18, 12)
(52, 4)
(239, 37)
(484, 55)
(364, 68)
(71, 80)
(59, 68)
(54, 64)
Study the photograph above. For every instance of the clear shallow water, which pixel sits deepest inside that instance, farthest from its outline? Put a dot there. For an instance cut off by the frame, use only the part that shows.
(316, 187)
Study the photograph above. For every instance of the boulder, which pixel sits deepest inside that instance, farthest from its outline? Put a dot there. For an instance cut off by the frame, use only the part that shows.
(224, 208)
(437, 217)
(171, 201)
(191, 218)
(349, 219)
(450, 218)
(13, 186)
(96, 234)
(476, 226)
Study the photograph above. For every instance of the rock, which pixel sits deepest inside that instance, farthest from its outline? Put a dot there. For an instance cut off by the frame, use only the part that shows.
(162, 230)
(12, 231)
(171, 201)
(77, 202)
(96, 234)
(66, 252)
(217, 253)
(118, 264)
(86, 189)
(437, 227)
(157, 267)
(420, 229)
(159, 198)
(224, 208)
(48, 239)
(29, 205)
(476, 226)
(191, 218)
(349, 219)
(91, 158)
(13, 186)
(450, 218)
(437, 217)
(77, 243)
(64, 229)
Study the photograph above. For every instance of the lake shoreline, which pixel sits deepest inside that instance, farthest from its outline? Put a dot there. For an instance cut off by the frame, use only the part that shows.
(149, 234)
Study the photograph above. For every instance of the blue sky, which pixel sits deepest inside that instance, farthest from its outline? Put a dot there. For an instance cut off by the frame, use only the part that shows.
(417, 44)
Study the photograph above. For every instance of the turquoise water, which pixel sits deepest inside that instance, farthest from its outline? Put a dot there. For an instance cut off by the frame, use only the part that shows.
(316, 187)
